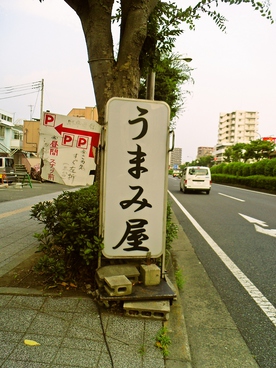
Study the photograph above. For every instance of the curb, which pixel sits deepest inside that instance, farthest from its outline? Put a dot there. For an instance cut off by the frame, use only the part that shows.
(180, 355)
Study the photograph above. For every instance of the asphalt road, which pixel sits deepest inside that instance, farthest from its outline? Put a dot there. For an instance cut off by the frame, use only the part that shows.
(233, 234)
(17, 229)
(14, 192)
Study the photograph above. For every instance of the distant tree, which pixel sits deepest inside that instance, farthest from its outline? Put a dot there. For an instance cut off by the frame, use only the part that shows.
(235, 153)
(255, 150)
(227, 155)
(147, 28)
(206, 161)
(258, 150)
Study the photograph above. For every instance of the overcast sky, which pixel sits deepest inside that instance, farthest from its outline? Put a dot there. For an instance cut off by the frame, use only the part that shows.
(232, 71)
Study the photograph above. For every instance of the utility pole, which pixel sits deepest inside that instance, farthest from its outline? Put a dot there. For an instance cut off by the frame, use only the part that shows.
(31, 111)
(41, 102)
(150, 88)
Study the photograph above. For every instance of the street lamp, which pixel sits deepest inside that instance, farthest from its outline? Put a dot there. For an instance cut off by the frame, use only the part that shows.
(150, 88)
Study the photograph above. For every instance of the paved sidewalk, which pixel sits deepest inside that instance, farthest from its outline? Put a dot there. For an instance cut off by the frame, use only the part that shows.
(74, 332)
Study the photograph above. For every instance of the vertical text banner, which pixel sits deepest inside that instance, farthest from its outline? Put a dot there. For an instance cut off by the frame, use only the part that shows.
(135, 178)
(67, 147)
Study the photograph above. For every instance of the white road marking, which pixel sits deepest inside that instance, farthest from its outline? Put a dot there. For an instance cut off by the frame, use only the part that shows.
(236, 199)
(252, 290)
(252, 220)
(270, 232)
(248, 190)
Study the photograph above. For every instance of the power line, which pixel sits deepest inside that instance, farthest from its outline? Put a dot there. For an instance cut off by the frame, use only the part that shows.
(23, 94)
(20, 90)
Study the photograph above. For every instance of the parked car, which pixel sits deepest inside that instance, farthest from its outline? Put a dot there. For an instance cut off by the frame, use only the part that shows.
(196, 178)
(7, 171)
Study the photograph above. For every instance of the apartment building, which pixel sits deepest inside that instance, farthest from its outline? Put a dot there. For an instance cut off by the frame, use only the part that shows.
(235, 127)
(238, 127)
(205, 151)
(175, 157)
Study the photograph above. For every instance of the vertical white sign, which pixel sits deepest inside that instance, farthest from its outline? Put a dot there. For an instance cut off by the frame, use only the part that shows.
(67, 147)
(135, 178)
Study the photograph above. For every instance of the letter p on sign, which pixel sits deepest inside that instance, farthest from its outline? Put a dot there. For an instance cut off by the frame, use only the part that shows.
(49, 119)
(82, 142)
(67, 140)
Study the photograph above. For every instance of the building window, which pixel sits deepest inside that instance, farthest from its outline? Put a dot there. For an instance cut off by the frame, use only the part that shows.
(7, 118)
(2, 132)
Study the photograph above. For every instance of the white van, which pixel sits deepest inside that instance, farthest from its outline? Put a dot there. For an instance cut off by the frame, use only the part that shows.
(7, 172)
(196, 178)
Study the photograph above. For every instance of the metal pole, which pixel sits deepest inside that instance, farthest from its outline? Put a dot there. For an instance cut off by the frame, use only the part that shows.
(150, 85)
(31, 111)
(42, 96)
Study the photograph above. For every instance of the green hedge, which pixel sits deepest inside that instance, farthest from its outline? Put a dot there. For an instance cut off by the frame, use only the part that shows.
(254, 182)
(258, 175)
(264, 167)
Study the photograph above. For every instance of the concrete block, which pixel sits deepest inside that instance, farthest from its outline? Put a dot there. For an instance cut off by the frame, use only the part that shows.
(131, 272)
(156, 309)
(150, 274)
(118, 285)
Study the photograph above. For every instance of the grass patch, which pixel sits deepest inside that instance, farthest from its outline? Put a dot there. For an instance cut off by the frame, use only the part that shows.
(163, 341)
(179, 279)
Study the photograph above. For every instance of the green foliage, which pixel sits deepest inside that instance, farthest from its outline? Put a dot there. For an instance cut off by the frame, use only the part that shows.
(53, 267)
(171, 228)
(253, 168)
(260, 182)
(171, 74)
(180, 282)
(258, 175)
(218, 169)
(142, 350)
(264, 167)
(246, 170)
(69, 240)
(260, 167)
(235, 153)
(165, 22)
(255, 150)
(205, 6)
(258, 150)
(206, 161)
(163, 341)
(234, 168)
(270, 168)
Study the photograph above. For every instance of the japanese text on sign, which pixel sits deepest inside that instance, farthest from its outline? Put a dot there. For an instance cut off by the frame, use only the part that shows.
(135, 178)
(67, 146)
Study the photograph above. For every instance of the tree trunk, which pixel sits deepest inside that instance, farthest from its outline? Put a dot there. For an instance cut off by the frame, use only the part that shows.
(113, 77)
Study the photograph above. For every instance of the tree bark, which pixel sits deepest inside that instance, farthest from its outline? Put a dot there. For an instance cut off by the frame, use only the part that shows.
(113, 76)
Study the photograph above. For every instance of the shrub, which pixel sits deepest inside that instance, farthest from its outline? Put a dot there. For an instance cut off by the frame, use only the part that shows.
(225, 169)
(218, 169)
(253, 169)
(270, 168)
(260, 166)
(254, 181)
(246, 170)
(69, 240)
